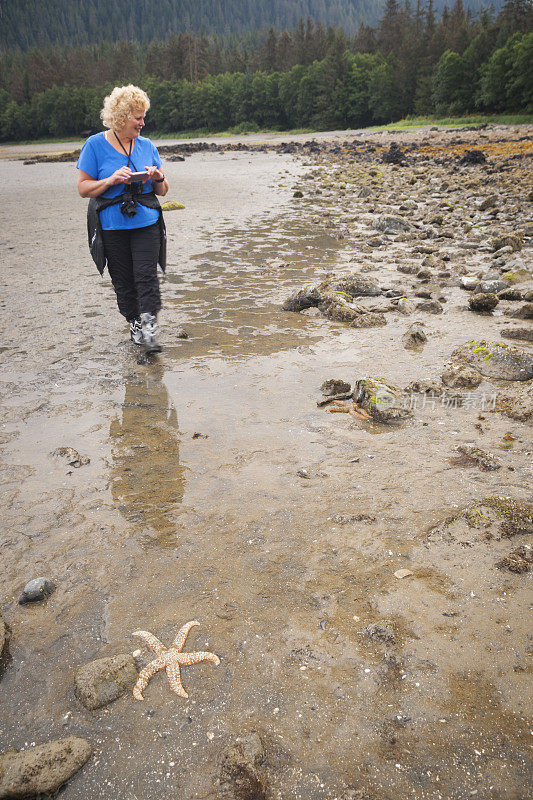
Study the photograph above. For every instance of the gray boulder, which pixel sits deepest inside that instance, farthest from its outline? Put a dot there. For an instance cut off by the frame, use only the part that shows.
(383, 401)
(102, 681)
(496, 360)
(392, 222)
(42, 769)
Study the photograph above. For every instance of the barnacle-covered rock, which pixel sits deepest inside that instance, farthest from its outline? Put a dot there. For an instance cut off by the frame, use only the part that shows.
(304, 298)
(381, 399)
(354, 285)
(495, 360)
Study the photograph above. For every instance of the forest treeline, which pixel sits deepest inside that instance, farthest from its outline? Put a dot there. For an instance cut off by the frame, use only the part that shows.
(34, 23)
(410, 63)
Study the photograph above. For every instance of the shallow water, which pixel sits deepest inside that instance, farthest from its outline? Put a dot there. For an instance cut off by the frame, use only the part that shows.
(165, 526)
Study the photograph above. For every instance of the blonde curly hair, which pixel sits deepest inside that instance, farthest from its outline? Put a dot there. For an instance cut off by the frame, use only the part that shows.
(123, 101)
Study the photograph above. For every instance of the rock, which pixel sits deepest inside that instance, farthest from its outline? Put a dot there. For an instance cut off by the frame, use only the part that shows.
(102, 681)
(517, 333)
(512, 240)
(36, 590)
(43, 769)
(392, 222)
(517, 404)
(468, 282)
(473, 157)
(72, 456)
(303, 298)
(298, 193)
(496, 360)
(408, 269)
(240, 776)
(381, 399)
(335, 386)
(510, 294)
(172, 205)
(382, 632)
(431, 306)
(422, 386)
(404, 306)
(365, 191)
(402, 573)
(337, 307)
(489, 202)
(2, 634)
(424, 274)
(181, 333)
(355, 285)
(485, 461)
(483, 302)
(461, 378)
(394, 155)
(518, 560)
(528, 296)
(371, 319)
(414, 336)
(489, 286)
(524, 312)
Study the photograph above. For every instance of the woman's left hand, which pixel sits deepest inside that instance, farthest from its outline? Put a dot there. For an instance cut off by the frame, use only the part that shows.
(154, 173)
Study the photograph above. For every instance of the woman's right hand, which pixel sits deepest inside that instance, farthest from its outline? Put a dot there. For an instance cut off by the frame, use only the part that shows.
(120, 175)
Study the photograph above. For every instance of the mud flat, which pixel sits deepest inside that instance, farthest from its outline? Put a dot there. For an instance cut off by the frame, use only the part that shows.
(364, 583)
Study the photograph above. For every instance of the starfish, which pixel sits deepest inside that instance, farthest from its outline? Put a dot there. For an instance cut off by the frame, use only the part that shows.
(169, 658)
(351, 408)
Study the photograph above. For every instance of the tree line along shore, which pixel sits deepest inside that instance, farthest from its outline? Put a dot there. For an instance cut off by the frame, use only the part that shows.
(312, 77)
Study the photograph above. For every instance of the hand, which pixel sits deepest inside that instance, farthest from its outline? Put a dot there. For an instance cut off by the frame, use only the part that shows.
(154, 173)
(119, 176)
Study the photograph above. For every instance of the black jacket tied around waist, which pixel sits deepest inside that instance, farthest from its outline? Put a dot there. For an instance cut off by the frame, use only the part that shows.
(94, 226)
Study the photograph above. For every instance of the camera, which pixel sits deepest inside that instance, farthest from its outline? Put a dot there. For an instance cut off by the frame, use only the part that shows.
(129, 206)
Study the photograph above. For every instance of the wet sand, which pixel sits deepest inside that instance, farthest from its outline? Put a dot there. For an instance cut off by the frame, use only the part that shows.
(283, 572)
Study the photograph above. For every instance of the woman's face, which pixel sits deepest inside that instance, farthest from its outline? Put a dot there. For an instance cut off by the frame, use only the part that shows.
(134, 124)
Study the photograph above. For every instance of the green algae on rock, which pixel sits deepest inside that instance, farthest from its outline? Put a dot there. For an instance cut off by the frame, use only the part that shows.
(384, 401)
(495, 360)
(172, 205)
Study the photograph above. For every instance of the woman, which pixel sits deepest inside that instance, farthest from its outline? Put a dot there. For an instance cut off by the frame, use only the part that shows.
(125, 221)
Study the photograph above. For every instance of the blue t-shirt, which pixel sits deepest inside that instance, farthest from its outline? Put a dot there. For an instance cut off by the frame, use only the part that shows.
(99, 159)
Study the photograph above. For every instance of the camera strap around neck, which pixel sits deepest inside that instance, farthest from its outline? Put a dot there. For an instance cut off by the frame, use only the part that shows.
(126, 152)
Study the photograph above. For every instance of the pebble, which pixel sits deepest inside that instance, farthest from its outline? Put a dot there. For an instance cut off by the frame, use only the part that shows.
(36, 590)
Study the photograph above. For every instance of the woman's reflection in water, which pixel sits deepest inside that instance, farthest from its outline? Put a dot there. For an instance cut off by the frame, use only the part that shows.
(147, 480)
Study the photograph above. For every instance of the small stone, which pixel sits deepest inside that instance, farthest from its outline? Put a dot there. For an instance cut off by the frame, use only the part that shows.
(2, 633)
(430, 306)
(489, 202)
(334, 386)
(181, 333)
(414, 336)
(484, 460)
(461, 377)
(102, 681)
(298, 193)
(518, 333)
(524, 312)
(392, 223)
(402, 573)
(302, 473)
(381, 632)
(510, 294)
(43, 769)
(483, 302)
(72, 456)
(36, 590)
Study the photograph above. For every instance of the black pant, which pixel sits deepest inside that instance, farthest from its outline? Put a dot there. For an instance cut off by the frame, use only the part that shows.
(132, 263)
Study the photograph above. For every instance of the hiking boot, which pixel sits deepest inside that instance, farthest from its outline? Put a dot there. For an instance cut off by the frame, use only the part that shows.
(136, 333)
(149, 333)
